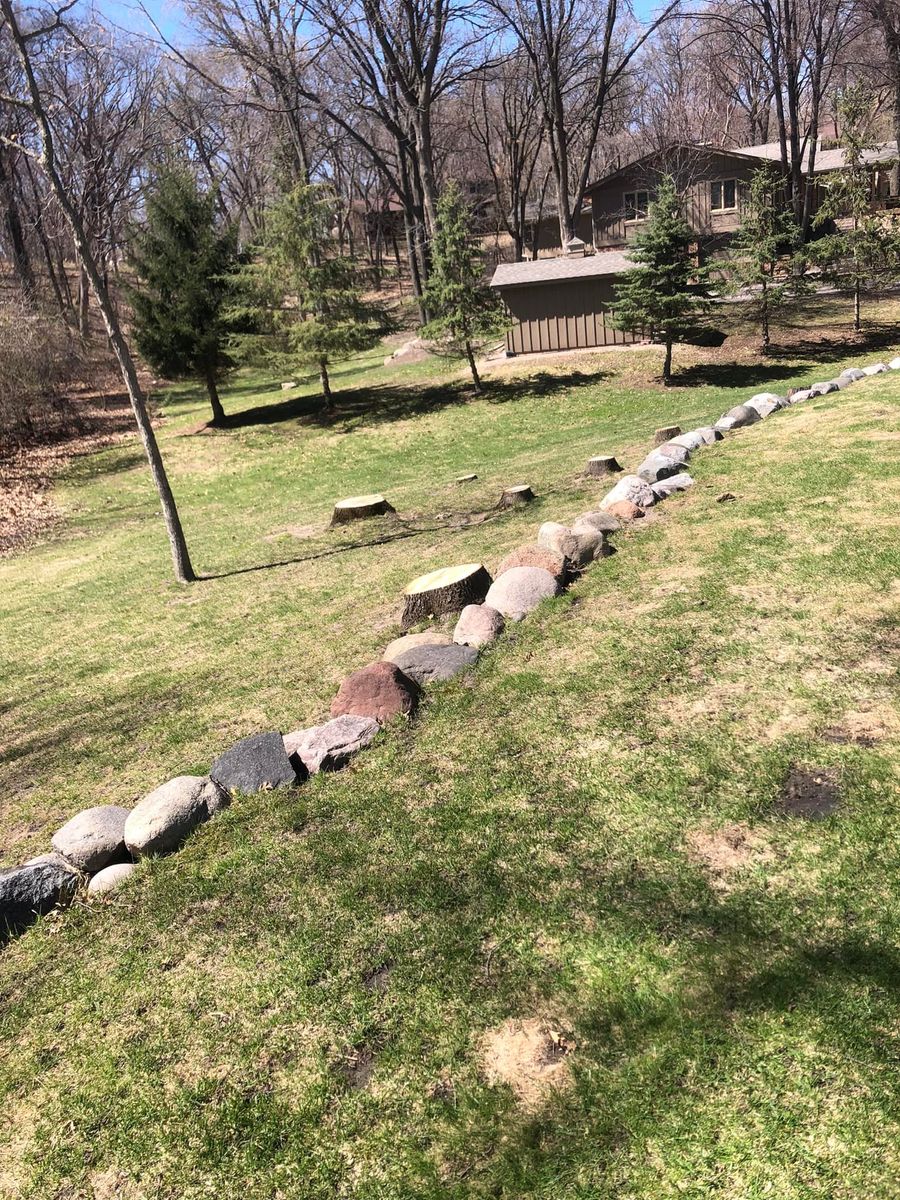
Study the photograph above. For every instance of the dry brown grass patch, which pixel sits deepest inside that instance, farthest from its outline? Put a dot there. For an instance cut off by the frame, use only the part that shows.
(530, 1057)
(726, 851)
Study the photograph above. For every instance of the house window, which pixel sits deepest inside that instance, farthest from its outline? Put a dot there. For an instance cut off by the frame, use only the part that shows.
(723, 195)
(636, 205)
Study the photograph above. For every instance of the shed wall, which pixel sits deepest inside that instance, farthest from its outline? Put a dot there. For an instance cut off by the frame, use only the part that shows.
(572, 314)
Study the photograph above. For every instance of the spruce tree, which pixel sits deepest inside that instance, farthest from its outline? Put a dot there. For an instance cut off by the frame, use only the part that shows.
(665, 292)
(767, 233)
(184, 261)
(461, 307)
(305, 298)
(862, 253)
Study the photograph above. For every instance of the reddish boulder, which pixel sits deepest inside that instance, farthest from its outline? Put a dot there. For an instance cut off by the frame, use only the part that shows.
(380, 691)
(625, 510)
(537, 556)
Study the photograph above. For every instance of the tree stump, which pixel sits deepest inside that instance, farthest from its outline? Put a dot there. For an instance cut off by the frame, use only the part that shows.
(356, 508)
(602, 464)
(519, 493)
(447, 590)
(666, 434)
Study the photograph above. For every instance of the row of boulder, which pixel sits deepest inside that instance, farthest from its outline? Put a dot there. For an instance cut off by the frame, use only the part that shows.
(96, 851)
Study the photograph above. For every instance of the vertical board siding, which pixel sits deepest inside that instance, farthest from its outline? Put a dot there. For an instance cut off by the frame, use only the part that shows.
(566, 315)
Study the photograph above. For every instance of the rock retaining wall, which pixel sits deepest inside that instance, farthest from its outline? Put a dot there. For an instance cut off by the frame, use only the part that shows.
(95, 852)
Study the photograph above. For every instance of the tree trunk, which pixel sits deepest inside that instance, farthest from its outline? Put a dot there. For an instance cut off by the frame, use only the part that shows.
(476, 378)
(326, 383)
(184, 570)
(16, 238)
(84, 328)
(215, 403)
(857, 320)
(667, 363)
(765, 314)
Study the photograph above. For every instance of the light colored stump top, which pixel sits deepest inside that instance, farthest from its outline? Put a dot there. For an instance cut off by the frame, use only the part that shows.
(441, 578)
(361, 501)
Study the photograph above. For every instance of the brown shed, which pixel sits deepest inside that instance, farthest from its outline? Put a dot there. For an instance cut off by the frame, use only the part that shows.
(562, 303)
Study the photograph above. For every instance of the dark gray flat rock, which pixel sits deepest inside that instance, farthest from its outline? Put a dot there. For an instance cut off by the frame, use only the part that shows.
(434, 664)
(255, 762)
(29, 892)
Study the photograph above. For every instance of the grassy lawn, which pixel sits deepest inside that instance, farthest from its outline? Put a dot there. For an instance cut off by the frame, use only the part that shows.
(585, 834)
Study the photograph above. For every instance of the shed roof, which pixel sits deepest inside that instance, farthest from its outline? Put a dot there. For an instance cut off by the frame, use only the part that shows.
(826, 160)
(557, 270)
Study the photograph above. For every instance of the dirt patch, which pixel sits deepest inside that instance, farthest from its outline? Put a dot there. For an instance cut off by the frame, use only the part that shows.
(528, 1056)
(810, 791)
(376, 980)
(357, 1069)
(864, 727)
(725, 851)
(113, 1184)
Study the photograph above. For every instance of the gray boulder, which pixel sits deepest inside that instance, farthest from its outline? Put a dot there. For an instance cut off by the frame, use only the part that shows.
(875, 369)
(93, 838)
(434, 664)
(31, 891)
(430, 637)
(110, 879)
(330, 746)
(631, 488)
(894, 364)
(658, 466)
(478, 625)
(675, 483)
(674, 450)
(577, 547)
(737, 417)
(823, 389)
(852, 374)
(163, 819)
(799, 395)
(601, 521)
(765, 403)
(254, 763)
(520, 590)
(692, 440)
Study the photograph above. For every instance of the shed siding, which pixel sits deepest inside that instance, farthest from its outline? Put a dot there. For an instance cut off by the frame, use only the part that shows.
(568, 315)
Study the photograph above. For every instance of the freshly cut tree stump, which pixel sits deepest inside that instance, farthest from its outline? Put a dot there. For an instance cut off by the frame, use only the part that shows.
(666, 434)
(520, 493)
(447, 590)
(602, 464)
(356, 508)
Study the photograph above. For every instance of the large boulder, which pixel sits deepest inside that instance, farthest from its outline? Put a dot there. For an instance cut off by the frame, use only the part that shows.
(430, 637)
(624, 510)
(110, 879)
(675, 483)
(516, 592)
(691, 441)
(479, 624)
(894, 364)
(330, 746)
(798, 395)
(875, 369)
(93, 838)
(825, 388)
(737, 417)
(533, 555)
(765, 403)
(380, 691)
(254, 763)
(631, 488)
(658, 466)
(852, 374)
(674, 450)
(161, 821)
(577, 548)
(435, 664)
(601, 521)
(29, 892)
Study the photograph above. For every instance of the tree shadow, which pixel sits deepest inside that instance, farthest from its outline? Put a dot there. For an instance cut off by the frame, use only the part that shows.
(735, 375)
(384, 403)
(878, 337)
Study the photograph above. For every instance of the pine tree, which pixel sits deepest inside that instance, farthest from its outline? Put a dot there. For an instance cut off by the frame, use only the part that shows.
(767, 233)
(864, 255)
(184, 262)
(305, 298)
(665, 292)
(462, 307)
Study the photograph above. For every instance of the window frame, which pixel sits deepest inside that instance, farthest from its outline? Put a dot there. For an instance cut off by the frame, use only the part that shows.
(722, 183)
(640, 214)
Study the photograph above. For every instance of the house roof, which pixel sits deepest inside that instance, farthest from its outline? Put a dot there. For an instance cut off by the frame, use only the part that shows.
(558, 270)
(826, 160)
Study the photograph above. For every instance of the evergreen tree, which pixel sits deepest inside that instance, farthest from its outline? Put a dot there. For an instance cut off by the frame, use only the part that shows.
(462, 307)
(768, 232)
(862, 255)
(665, 292)
(308, 309)
(183, 260)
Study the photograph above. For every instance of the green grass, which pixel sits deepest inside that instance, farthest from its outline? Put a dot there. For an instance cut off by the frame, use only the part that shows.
(522, 849)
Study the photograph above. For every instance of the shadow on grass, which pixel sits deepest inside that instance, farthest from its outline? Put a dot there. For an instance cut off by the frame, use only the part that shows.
(735, 375)
(391, 402)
